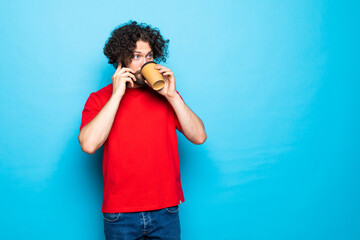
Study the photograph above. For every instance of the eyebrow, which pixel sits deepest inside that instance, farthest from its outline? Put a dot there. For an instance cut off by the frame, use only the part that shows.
(140, 52)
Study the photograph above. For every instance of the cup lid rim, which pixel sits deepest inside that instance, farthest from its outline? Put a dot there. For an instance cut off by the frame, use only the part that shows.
(146, 64)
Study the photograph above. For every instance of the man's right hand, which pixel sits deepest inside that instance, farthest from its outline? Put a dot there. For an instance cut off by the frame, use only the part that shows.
(120, 78)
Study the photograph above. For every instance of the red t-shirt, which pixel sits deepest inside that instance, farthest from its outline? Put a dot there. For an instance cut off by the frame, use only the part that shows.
(140, 160)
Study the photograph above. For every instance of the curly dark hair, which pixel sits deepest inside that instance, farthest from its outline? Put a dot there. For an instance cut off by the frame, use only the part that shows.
(119, 48)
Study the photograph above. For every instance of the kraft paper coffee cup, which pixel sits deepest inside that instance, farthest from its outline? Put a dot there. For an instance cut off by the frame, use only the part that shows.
(152, 75)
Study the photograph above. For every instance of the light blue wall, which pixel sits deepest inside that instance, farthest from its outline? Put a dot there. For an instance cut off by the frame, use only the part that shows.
(275, 82)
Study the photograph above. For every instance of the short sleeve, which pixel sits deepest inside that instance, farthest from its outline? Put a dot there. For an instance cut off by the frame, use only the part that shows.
(91, 109)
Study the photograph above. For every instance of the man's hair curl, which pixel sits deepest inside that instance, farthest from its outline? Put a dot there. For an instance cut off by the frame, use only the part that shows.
(119, 48)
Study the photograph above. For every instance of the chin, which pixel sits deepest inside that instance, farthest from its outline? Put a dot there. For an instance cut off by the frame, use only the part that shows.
(140, 81)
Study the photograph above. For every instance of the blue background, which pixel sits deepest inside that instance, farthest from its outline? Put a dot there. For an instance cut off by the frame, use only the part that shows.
(275, 82)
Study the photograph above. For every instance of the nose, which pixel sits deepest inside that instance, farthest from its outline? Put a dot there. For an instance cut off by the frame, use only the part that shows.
(145, 61)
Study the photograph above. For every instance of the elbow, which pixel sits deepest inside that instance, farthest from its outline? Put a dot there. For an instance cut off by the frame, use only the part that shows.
(86, 147)
(201, 140)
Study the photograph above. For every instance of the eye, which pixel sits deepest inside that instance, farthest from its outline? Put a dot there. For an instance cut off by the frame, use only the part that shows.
(136, 56)
(150, 55)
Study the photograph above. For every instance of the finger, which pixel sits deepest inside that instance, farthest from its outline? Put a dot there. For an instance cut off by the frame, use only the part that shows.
(158, 66)
(130, 81)
(118, 69)
(167, 81)
(120, 65)
(127, 74)
(124, 70)
(169, 73)
(129, 70)
(164, 70)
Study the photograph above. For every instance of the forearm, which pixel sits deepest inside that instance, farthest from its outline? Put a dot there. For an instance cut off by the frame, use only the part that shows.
(93, 135)
(192, 126)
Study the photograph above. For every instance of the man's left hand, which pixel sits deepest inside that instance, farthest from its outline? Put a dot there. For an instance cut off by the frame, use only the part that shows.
(169, 89)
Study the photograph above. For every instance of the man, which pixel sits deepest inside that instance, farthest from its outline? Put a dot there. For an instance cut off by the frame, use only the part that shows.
(137, 126)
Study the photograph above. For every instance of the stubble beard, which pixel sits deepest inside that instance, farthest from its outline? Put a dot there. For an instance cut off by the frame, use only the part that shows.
(140, 80)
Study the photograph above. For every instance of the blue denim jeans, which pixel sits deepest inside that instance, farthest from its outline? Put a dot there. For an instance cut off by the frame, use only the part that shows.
(156, 224)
